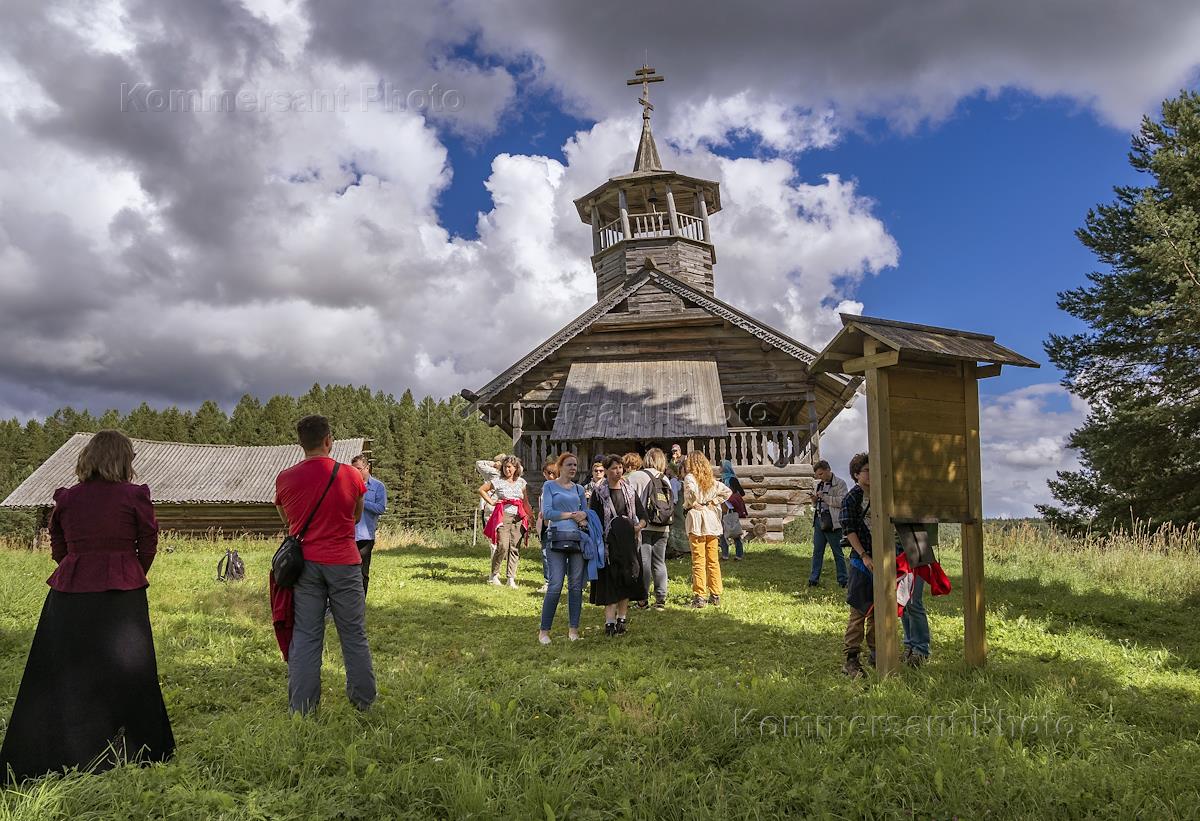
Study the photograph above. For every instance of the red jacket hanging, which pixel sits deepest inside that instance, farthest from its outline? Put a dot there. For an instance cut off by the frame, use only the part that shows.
(935, 577)
(283, 615)
(497, 518)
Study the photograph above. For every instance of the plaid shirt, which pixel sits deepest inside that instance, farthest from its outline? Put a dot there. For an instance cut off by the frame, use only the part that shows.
(853, 519)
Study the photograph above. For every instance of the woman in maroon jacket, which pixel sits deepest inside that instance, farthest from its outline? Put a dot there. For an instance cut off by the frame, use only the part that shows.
(90, 696)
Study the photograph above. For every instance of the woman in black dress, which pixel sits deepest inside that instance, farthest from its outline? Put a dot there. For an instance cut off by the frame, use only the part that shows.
(623, 515)
(90, 696)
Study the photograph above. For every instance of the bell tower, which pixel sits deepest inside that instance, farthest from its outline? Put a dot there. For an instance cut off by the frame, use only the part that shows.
(651, 213)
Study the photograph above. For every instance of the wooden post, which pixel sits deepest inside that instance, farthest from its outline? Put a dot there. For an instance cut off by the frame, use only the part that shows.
(702, 213)
(814, 427)
(883, 539)
(597, 245)
(974, 627)
(671, 213)
(517, 423)
(623, 204)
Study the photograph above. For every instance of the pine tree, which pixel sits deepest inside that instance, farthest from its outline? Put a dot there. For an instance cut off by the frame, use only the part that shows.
(209, 425)
(245, 422)
(1138, 365)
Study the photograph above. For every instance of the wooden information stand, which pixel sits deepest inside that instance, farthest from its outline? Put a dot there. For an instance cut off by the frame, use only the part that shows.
(922, 388)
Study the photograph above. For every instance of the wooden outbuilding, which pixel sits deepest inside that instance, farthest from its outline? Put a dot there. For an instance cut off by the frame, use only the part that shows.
(197, 489)
(659, 359)
(923, 439)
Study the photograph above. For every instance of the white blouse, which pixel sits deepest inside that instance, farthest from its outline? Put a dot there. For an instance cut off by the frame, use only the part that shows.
(504, 489)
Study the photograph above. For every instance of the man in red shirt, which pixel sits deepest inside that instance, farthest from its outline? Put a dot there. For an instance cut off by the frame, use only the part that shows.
(331, 569)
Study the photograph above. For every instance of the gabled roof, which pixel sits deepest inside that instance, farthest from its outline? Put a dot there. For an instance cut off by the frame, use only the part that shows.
(648, 274)
(179, 472)
(915, 342)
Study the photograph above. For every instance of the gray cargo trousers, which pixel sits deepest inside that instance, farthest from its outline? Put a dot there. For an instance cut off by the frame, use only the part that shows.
(342, 586)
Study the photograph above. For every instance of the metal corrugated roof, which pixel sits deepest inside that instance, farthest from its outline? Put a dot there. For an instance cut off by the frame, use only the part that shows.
(179, 472)
(655, 399)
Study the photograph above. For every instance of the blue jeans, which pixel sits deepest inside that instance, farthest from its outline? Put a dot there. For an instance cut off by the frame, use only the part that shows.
(560, 563)
(545, 564)
(916, 620)
(834, 540)
(724, 545)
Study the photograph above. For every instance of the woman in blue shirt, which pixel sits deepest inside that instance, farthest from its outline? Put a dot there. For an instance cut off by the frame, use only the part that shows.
(563, 506)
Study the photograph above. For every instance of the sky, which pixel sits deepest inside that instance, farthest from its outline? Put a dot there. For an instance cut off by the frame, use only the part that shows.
(205, 199)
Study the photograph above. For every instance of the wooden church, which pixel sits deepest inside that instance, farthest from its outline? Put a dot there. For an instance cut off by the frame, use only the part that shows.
(659, 359)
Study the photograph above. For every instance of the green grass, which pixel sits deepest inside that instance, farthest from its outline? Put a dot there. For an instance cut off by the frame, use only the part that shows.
(1089, 705)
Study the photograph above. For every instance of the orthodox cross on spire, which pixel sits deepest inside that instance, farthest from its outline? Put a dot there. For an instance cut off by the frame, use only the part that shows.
(644, 77)
(647, 152)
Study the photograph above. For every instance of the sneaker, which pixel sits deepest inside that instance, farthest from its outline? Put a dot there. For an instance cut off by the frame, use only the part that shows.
(573, 634)
(737, 558)
(610, 629)
(643, 605)
(852, 668)
(915, 659)
(813, 582)
(698, 602)
(512, 583)
(495, 580)
(660, 604)
(543, 639)
(622, 626)
(544, 587)
(714, 600)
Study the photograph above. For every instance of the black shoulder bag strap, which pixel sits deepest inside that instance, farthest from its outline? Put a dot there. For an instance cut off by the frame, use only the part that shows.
(332, 476)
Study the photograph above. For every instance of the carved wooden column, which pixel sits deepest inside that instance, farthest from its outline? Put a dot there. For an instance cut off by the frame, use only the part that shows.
(671, 213)
(597, 245)
(702, 213)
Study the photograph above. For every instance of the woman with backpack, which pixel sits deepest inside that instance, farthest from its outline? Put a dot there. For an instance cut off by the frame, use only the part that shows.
(704, 497)
(622, 516)
(654, 489)
(90, 696)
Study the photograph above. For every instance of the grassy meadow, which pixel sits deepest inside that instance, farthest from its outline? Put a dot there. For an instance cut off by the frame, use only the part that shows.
(1089, 705)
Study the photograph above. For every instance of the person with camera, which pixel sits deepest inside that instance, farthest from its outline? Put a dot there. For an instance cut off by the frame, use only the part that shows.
(90, 696)
(374, 506)
(827, 499)
(318, 491)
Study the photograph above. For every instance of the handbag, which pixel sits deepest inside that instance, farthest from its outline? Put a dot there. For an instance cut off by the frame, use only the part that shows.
(825, 521)
(288, 561)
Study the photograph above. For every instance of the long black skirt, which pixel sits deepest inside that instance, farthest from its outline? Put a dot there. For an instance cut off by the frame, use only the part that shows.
(90, 696)
(620, 578)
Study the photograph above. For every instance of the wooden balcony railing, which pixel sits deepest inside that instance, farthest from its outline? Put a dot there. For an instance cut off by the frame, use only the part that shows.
(778, 446)
(650, 226)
